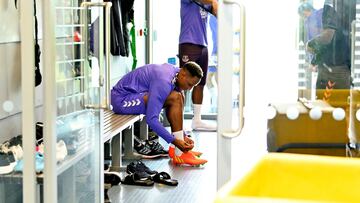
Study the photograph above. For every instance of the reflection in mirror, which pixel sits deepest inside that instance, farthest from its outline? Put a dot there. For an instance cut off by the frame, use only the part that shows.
(326, 113)
(8, 106)
(338, 114)
(292, 113)
(270, 112)
(358, 115)
(315, 113)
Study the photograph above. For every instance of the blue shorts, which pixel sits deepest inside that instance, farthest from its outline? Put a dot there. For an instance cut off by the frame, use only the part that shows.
(128, 104)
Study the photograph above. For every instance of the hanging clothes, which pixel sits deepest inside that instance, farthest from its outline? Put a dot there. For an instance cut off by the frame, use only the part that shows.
(37, 50)
(133, 45)
(122, 13)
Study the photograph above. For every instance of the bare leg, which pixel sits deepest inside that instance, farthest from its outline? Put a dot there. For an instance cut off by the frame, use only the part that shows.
(174, 105)
(197, 94)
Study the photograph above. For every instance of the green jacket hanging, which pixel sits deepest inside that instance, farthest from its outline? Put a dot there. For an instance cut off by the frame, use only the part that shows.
(133, 44)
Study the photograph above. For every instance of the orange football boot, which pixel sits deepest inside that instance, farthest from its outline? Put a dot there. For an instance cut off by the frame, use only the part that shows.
(172, 152)
(189, 159)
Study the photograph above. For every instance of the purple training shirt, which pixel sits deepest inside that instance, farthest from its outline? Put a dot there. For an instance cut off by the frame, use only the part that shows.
(193, 23)
(157, 81)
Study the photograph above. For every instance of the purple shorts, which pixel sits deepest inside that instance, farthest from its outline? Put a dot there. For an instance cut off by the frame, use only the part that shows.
(196, 53)
(128, 104)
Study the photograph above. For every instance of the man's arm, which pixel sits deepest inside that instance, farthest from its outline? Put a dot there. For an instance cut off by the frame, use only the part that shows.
(158, 92)
(322, 39)
(213, 3)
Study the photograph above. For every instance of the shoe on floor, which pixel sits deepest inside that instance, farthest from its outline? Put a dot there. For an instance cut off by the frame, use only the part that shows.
(145, 150)
(140, 168)
(199, 125)
(188, 159)
(157, 147)
(112, 178)
(172, 152)
(135, 179)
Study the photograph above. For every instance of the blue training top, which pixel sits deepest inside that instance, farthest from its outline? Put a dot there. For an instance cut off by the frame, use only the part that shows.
(157, 80)
(193, 23)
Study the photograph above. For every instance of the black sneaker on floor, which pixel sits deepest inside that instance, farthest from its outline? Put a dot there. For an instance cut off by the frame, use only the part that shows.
(112, 178)
(156, 146)
(140, 168)
(145, 150)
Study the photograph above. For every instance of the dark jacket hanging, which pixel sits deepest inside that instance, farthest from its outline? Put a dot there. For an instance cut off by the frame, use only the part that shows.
(121, 13)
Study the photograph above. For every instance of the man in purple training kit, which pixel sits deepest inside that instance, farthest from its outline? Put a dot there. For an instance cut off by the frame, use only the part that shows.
(193, 47)
(148, 89)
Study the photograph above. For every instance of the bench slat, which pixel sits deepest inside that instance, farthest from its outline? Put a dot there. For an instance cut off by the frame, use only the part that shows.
(115, 123)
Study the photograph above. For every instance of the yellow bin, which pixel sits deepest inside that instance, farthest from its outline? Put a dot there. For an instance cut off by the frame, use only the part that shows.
(282, 177)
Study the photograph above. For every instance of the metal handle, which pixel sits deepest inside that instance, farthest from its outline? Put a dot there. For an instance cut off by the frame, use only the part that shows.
(93, 106)
(107, 68)
(237, 132)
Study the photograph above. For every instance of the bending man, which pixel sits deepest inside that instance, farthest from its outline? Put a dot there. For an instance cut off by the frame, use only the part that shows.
(148, 89)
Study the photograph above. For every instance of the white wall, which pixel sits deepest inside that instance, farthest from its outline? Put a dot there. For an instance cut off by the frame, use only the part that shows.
(166, 19)
(271, 51)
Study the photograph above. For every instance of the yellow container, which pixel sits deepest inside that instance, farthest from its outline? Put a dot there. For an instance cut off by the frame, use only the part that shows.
(282, 177)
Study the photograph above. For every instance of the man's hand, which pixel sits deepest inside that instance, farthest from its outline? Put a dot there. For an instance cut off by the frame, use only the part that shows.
(309, 48)
(182, 145)
(188, 140)
(313, 68)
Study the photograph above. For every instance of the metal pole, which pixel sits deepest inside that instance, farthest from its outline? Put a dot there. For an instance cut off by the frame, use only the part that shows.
(49, 62)
(28, 99)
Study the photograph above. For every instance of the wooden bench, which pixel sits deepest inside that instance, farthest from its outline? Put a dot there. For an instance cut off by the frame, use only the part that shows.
(116, 126)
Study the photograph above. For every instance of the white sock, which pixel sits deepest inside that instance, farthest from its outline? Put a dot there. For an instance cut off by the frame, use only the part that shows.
(178, 135)
(197, 112)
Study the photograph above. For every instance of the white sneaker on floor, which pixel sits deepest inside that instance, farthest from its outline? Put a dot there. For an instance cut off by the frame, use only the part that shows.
(199, 125)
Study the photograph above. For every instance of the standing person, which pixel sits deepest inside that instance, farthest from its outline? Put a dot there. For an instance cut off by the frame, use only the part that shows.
(193, 47)
(213, 64)
(331, 54)
(312, 25)
(312, 20)
(148, 89)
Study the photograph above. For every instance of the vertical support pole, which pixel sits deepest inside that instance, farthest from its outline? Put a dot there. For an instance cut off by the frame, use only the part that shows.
(49, 62)
(28, 99)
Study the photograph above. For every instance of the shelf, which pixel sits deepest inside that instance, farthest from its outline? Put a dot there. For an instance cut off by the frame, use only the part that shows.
(71, 160)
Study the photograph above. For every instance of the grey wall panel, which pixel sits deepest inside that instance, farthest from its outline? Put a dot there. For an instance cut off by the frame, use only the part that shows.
(3, 79)
(13, 66)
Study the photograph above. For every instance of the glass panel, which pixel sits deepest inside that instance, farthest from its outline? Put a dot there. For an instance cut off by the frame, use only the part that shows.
(11, 182)
(354, 121)
(77, 128)
(319, 122)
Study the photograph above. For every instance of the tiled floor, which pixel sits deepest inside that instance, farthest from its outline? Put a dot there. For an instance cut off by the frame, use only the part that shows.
(196, 184)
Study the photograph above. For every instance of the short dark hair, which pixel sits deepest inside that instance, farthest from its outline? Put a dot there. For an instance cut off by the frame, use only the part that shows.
(194, 69)
(305, 7)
